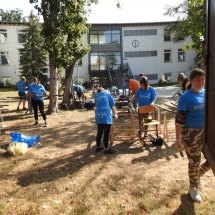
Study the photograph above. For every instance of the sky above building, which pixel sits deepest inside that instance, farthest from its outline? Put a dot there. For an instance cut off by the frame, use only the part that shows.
(107, 12)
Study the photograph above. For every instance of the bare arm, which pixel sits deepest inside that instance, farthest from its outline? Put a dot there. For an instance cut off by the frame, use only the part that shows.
(113, 110)
(178, 129)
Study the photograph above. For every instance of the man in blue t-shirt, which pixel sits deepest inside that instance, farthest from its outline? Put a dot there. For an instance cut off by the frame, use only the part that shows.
(21, 85)
(80, 93)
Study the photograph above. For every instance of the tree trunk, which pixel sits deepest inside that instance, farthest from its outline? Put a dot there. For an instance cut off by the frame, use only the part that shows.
(68, 82)
(53, 102)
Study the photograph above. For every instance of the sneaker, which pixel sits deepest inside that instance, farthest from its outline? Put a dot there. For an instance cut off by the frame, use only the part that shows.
(145, 135)
(98, 149)
(109, 151)
(46, 124)
(24, 108)
(35, 124)
(31, 112)
(194, 194)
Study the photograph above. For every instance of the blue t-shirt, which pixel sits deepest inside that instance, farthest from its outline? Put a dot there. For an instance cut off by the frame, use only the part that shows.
(38, 90)
(193, 104)
(145, 97)
(21, 86)
(80, 89)
(103, 113)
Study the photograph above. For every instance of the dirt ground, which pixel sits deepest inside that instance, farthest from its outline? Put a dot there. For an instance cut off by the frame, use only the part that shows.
(64, 175)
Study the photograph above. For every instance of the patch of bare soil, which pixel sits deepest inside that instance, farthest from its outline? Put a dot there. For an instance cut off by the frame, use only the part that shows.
(64, 175)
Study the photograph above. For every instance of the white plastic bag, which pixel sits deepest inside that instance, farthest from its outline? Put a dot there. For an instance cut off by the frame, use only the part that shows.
(17, 148)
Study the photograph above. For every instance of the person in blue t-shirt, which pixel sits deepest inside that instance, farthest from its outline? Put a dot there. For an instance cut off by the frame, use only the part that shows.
(189, 125)
(80, 93)
(105, 111)
(146, 95)
(21, 85)
(37, 91)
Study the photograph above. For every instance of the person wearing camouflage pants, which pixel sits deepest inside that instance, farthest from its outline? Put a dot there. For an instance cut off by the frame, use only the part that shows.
(189, 124)
(192, 140)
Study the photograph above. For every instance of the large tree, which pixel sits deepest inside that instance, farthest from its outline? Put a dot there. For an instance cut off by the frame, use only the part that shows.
(33, 57)
(65, 23)
(12, 15)
(191, 21)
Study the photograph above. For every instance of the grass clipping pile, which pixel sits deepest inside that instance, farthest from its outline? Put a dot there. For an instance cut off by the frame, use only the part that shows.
(17, 148)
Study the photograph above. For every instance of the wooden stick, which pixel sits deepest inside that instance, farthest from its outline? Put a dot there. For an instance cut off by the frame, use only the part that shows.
(167, 109)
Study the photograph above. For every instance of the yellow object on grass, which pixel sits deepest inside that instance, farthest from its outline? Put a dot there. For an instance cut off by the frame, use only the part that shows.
(17, 148)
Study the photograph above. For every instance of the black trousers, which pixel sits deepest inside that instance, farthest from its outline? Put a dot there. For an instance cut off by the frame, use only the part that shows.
(103, 128)
(40, 104)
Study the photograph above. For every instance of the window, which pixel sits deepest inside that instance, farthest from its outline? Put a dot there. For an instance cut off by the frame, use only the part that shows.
(21, 36)
(167, 38)
(80, 63)
(105, 37)
(4, 60)
(100, 60)
(181, 55)
(3, 36)
(167, 56)
(21, 53)
(167, 77)
(6, 81)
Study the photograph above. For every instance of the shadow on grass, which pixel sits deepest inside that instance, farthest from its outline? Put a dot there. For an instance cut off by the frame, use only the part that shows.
(187, 206)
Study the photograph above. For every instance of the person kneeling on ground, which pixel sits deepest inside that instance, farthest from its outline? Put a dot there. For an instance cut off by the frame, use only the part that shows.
(105, 111)
(80, 93)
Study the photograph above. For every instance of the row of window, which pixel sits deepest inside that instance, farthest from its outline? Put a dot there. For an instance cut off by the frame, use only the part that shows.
(113, 36)
(112, 60)
(100, 60)
(21, 38)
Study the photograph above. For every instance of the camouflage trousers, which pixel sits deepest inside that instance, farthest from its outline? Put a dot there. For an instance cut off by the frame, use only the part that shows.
(193, 143)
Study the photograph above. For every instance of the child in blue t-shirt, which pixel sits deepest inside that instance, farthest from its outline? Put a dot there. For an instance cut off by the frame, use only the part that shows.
(37, 91)
(146, 95)
(21, 85)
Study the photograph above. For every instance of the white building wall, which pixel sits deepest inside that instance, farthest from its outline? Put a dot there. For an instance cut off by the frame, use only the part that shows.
(156, 64)
(146, 65)
(81, 71)
(12, 69)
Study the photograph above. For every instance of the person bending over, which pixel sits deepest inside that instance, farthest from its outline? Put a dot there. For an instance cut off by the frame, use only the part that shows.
(105, 111)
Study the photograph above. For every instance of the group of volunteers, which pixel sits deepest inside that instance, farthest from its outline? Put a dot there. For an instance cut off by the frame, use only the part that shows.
(189, 120)
(35, 94)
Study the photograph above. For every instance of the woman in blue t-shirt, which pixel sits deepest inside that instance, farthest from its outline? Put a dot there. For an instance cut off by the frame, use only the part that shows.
(146, 95)
(37, 91)
(105, 111)
(189, 123)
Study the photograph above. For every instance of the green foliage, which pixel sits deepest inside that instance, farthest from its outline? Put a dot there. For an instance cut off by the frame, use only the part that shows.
(191, 17)
(33, 57)
(12, 15)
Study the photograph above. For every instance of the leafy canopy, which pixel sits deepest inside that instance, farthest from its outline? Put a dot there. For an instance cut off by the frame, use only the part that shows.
(191, 21)
(12, 15)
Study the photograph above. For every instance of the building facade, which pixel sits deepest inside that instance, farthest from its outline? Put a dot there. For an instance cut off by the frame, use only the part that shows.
(117, 50)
